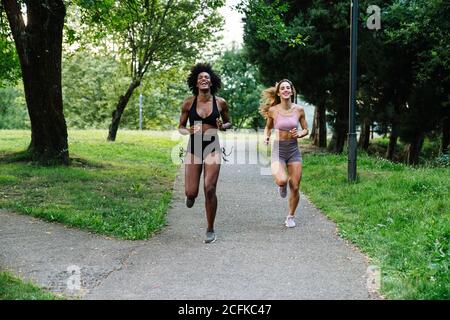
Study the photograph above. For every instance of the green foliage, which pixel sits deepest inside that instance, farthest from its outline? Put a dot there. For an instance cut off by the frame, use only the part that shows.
(9, 61)
(163, 94)
(92, 84)
(319, 69)
(422, 30)
(153, 34)
(269, 19)
(241, 89)
(404, 68)
(120, 189)
(13, 110)
(399, 216)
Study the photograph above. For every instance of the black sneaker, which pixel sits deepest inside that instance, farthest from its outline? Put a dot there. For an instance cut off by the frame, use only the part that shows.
(189, 202)
(210, 237)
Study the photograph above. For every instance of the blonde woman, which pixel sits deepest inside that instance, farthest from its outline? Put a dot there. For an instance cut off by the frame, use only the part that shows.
(285, 116)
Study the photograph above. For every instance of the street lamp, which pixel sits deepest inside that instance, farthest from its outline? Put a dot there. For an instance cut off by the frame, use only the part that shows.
(352, 95)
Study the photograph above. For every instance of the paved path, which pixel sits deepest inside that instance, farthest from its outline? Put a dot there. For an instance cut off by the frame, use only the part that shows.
(254, 257)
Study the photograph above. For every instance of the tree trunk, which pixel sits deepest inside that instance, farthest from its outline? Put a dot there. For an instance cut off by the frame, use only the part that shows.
(413, 150)
(315, 130)
(39, 46)
(364, 137)
(319, 129)
(392, 142)
(120, 107)
(445, 135)
(340, 131)
(322, 122)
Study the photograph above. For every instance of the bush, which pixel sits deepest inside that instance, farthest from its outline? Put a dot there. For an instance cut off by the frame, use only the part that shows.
(13, 110)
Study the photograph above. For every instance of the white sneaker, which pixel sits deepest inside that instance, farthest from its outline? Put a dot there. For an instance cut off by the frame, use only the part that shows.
(282, 191)
(290, 222)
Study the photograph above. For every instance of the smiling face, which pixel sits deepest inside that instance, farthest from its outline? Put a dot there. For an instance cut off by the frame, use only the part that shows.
(285, 90)
(204, 81)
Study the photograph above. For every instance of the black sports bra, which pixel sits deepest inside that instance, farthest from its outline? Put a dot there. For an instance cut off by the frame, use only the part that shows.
(211, 119)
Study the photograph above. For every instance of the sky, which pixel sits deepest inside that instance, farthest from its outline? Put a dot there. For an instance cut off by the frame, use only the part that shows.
(233, 30)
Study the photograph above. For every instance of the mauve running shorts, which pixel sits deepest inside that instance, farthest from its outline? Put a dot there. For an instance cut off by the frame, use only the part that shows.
(286, 151)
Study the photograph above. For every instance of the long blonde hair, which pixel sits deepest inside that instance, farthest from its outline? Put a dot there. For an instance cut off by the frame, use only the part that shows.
(270, 97)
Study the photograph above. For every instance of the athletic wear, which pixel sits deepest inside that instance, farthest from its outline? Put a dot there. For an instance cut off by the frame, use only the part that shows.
(282, 191)
(194, 117)
(201, 144)
(210, 237)
(290, 222)
(189, 202)
(286, 123)
(286, 151)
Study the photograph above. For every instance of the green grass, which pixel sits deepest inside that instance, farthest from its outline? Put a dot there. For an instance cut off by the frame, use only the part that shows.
(12, 288)
(398, 215)
(120, 189)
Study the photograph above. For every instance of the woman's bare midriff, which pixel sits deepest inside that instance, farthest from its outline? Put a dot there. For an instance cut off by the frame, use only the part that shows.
(283, 135)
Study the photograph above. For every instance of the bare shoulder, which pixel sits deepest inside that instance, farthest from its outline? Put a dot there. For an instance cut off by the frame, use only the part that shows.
(221, 102)
(272, 110)
(299, 108)
(187, 103)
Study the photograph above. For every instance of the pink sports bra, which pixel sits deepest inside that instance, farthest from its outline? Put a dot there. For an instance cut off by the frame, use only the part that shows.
(286, 123)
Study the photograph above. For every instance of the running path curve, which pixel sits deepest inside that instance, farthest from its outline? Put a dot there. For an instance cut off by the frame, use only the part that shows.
(254, 257)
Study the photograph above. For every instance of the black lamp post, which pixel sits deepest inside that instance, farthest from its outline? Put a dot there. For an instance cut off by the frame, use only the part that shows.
(352, 102)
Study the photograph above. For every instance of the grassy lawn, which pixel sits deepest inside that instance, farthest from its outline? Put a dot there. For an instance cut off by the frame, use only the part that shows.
(12, 288)
(120, 189)
(398, 215)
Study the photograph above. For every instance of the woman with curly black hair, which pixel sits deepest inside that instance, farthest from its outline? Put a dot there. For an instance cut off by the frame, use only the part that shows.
(206, 114)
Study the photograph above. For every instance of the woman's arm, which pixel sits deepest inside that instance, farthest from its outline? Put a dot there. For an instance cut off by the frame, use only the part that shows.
(304, 125)
(224, 123)
(302, 119)
(184, 118)
(268, 128)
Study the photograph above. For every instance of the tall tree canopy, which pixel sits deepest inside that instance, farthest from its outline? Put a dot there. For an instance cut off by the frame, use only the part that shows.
(403, 69)
(241, 88)
(152, 35)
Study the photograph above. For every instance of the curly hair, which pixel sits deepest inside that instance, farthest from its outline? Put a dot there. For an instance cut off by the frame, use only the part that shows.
(271, 98)
(216, 83)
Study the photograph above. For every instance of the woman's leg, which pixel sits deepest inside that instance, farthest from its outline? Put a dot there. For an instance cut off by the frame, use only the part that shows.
(295, 175)
(279, 173)
(192, 172)
(211, 175)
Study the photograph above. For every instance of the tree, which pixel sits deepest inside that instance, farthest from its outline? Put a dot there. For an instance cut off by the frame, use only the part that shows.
(38, 40)
(241, 88)
(318, 66)
(91, 83)
(422, 30)
(152, 35)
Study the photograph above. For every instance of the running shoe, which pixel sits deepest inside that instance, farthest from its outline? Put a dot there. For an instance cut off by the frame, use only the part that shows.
(282, 191)
(210, 237)
(189, 202)
(290, 222)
